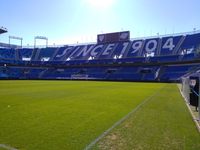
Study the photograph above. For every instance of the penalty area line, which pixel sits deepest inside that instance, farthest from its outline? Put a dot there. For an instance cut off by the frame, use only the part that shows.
(88, 147)
(7, 147)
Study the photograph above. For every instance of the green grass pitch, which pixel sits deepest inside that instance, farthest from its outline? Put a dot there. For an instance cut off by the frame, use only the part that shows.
(59, 115)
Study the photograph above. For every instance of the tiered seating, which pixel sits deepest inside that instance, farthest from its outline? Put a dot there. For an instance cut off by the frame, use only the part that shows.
(189, 57)
(46, 54)
(25, 54)
(174, 72)
(134, 49)
(170, 45)
(170, 58)
(7, 54)
(10, 72)
(97, 73)
(34, 73)
(60, 73)
(110, 61)
(125, 73)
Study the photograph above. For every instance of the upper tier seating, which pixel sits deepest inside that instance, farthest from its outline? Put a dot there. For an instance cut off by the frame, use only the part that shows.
(145, 50)
(142, 60)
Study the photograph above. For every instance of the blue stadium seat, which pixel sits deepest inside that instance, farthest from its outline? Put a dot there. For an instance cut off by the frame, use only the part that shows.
(8, 54)
(25, 54)
(152, 59)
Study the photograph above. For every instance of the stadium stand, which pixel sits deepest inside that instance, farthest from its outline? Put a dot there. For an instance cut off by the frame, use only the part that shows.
(164, 59)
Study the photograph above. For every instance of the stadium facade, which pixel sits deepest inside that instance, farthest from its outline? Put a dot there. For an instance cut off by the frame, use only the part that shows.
(162, 59)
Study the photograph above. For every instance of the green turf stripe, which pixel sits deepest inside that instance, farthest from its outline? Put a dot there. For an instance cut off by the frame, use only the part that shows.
(164, 123)
(46, 115)
(121, 120)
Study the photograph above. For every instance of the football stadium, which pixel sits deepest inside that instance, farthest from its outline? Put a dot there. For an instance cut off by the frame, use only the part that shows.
(116, 93)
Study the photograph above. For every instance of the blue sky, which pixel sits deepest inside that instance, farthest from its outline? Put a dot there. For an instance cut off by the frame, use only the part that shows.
(69, 21)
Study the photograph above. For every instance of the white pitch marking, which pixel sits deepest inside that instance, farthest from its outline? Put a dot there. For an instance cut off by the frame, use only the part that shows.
(88, 147)
(7, 147)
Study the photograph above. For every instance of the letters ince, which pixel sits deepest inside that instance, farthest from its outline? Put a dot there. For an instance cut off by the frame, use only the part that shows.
(137, 48)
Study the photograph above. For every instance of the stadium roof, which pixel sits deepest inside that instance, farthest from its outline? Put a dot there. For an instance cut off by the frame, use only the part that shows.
(3, 30)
